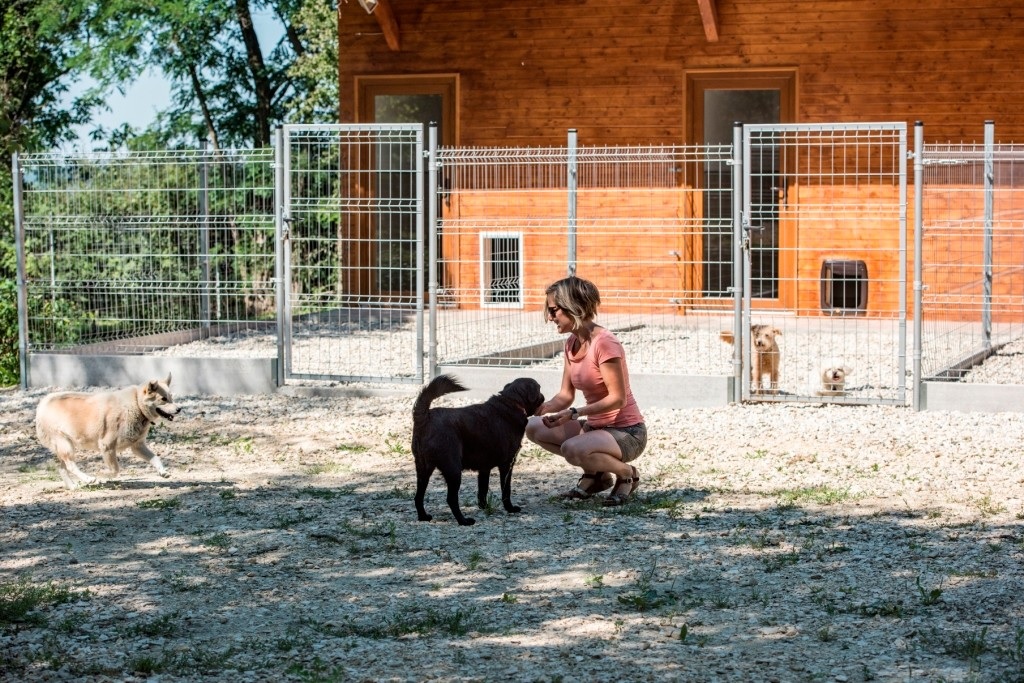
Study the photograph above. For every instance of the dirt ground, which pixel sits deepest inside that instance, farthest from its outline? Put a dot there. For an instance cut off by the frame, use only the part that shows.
(766, 543)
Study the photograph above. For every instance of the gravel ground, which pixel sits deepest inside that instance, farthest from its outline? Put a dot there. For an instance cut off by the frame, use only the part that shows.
(773, 542)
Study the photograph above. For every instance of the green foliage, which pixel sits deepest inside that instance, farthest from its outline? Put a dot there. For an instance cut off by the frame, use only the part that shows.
(226, 86)
(21, 600)
(10, 370)
(315, 70)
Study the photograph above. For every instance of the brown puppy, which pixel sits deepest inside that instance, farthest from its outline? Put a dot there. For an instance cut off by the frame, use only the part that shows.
(104, 421)
(764, 355)
(477, 437)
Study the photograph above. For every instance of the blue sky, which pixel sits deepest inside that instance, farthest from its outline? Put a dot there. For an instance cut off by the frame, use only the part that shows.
(151, 93)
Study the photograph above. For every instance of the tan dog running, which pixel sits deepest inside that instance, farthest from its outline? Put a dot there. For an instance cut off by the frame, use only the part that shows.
(105, 421)
(764, 355)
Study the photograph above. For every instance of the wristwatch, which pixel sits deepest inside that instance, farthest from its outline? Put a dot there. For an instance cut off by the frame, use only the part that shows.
(573, 413)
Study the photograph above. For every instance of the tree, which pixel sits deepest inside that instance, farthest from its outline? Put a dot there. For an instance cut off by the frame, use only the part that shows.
(226, 85)
(40, 53)
(316, 69)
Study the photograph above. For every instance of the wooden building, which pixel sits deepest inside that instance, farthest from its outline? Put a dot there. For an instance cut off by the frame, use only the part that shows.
(523, 72)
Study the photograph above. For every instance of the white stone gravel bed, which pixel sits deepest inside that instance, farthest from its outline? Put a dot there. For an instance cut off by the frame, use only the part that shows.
(774, 542)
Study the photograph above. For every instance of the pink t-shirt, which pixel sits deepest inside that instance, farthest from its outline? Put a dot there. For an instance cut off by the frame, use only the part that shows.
(585, 373)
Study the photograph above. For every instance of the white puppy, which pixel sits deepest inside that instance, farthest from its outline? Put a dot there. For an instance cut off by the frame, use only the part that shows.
(830, 380)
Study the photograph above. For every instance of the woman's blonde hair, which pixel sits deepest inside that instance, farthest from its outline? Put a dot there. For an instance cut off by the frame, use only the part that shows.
(578, 299)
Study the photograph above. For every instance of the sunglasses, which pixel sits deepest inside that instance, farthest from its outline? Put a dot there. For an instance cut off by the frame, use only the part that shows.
(552, 310)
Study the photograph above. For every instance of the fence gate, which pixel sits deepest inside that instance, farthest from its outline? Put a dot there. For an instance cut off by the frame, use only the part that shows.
(350, 234)
(821, 259)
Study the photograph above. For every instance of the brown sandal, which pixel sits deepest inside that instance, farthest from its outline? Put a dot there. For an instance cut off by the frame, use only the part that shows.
(600, 481)
(619, 496)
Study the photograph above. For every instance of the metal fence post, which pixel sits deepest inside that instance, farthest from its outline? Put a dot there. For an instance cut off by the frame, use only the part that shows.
(280, 239)
(742, 270)
(571, 181)
(986, 300)
(204, 240)
(420, 236)
(21, 283)
(918, 260)
(902, 324)
(432, 167)
(737, 260)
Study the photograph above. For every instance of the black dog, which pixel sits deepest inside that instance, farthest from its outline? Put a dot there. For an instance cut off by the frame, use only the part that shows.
(478, 437)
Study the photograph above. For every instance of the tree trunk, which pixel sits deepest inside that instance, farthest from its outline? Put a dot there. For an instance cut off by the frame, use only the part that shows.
(258, 69)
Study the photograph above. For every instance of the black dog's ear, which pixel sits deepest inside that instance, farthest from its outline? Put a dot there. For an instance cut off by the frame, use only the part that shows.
(527, 391)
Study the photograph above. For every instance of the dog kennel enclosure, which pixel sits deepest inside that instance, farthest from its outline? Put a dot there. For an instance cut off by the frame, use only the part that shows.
(368, 254)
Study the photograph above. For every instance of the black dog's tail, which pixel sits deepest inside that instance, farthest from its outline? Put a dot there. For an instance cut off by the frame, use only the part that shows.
(438, 387)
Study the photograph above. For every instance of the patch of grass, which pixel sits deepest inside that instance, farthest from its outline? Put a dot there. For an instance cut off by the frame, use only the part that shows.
(289, 521)
(30, 473)
(967, 645)
(414, 620)
(70, 623)
(720, 601)
(317, 672)
(509, 598)
(988, 507)
(159, 504)
(21, 600)
(375, 530)
(324, 468)
(886, 608)
(363, 539)
(777, 562)
(164, 626)
(326, 494)
(396, 445)
(243, 445)
(645, 596)
(289, 643)
(492, 504)
(147, 665)
(219, 540)
(929, 596)
(352, 448)
(183, 582)
(474, 560)
(194, 661)
(819, 495)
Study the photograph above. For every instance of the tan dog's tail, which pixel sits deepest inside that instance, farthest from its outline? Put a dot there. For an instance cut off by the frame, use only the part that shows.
(438, 387)
(727, 337)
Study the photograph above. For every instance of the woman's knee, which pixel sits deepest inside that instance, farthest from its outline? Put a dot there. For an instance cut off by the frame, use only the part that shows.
(533, 427)
(572, 452)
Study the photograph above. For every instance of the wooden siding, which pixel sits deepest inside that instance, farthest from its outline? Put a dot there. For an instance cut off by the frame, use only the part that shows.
(529, 70)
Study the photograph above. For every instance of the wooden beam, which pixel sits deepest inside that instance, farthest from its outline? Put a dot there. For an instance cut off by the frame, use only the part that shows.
(386, 18)
(709, 15)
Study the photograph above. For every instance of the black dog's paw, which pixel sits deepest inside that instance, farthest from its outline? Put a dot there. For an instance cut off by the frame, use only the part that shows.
(513, 508)
(467, 521)
(425, 517)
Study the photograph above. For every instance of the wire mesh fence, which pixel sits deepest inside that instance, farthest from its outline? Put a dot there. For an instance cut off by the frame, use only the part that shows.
(631, 219)
(315, 252)
(129, 253)
(353, 201)
(825, 221)
(973, 262)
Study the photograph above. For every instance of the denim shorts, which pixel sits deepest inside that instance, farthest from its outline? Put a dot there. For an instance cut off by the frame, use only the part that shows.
(632, 440)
